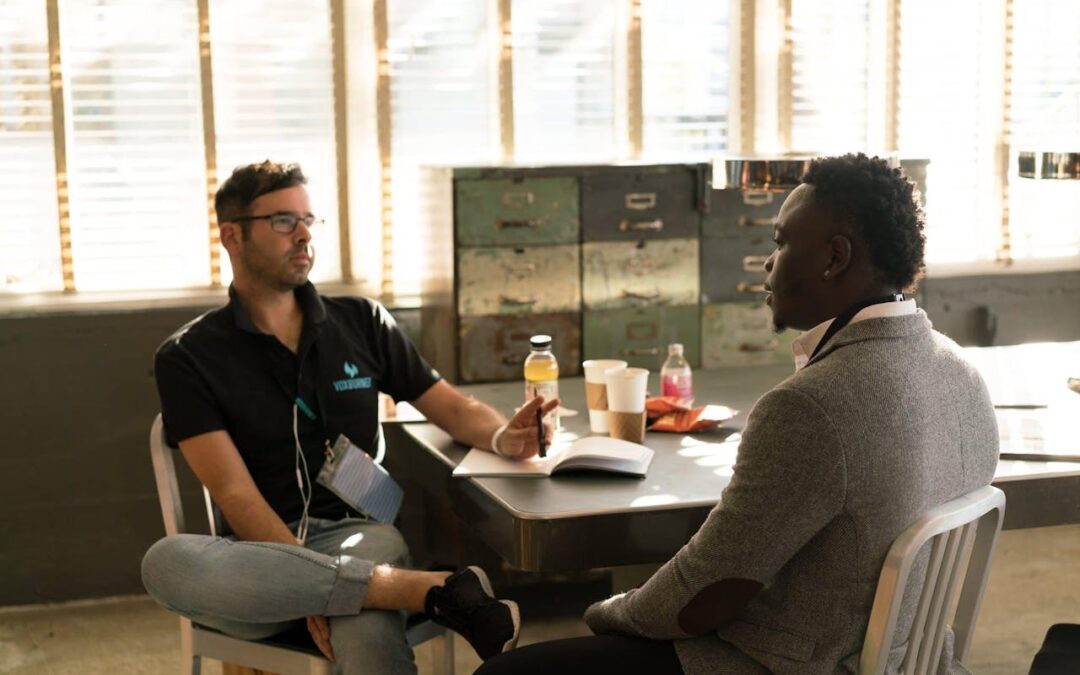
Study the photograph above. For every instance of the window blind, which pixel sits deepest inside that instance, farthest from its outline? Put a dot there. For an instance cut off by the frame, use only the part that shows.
(274, 99)
(30, 256)
(830, 52)
(564, 81)
(685, 89)
(442, 108)
(134, 142)
(943, 105)
(1045, 115)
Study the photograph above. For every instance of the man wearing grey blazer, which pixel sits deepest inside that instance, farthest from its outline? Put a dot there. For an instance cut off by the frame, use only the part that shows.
(882, 420)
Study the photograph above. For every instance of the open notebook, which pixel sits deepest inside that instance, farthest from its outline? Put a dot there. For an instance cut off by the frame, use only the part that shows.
(595, 453)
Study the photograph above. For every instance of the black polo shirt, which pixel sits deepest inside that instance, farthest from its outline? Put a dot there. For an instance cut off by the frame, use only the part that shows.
(220, 372)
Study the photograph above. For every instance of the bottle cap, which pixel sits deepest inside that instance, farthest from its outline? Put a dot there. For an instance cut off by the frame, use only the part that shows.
(540, 341)
(674, 348)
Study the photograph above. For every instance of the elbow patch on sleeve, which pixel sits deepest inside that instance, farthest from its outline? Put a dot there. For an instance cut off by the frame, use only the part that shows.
(716, 604)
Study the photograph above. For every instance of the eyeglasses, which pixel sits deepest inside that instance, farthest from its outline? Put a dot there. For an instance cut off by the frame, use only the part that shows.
(283, 221)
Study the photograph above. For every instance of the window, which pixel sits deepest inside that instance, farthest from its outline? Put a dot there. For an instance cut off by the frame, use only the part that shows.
(30, 256)
(442, 107)
(684, 90)
(943, 116)
(564, 80)
(134, 144)
(829, 82)
(1045, 116)
(274, 99)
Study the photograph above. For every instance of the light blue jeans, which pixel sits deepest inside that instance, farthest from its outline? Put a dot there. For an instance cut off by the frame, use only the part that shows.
(253, 590)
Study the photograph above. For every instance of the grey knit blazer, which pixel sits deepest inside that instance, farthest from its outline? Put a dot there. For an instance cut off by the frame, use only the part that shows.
(887, 421)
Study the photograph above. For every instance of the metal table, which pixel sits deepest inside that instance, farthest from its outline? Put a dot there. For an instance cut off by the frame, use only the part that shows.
(579, 522)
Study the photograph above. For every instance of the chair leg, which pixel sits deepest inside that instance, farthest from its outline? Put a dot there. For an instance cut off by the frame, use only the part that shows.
(442, 654)
(191, 661)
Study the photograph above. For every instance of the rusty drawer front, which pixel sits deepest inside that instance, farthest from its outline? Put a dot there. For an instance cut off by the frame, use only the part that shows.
(732, 268)
(741, 212)
(741, 334)
(640, 335)
(640, 274)
(516, 211)
(518, 280)
(640, 202)
(493, 348)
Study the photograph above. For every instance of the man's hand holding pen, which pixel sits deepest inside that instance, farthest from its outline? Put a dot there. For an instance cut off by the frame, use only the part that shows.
(523, 437)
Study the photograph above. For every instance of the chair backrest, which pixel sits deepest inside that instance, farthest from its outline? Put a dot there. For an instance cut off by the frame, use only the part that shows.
(172, 510)
(964, 533)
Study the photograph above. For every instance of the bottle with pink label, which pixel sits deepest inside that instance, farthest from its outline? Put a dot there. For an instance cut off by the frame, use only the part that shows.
(675, 376)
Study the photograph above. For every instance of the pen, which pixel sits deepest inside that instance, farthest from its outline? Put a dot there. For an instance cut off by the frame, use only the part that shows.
(540, 432)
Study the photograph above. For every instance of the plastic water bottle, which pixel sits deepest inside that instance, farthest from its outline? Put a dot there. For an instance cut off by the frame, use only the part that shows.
(541, 372)
(675, 376)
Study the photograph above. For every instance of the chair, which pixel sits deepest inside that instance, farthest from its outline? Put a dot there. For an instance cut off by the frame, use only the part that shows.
(285, 656)
(964, 533)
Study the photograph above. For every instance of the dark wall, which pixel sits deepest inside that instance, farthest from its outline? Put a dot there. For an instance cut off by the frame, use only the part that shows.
(77, 496)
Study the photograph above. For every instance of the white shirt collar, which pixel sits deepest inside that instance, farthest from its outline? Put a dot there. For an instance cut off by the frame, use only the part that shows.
(804, 345)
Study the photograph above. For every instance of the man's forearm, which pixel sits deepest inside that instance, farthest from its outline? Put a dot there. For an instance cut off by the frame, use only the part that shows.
(252, 519)
(475, 424)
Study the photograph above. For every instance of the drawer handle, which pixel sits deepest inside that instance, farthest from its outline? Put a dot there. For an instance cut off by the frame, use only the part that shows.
(769, 346)
(641, 351)
(746, 221)
(640, 295)
(517, 200)
(521, 270)
(757, 197)
(519, 300)
(744, 287)
(640, 201)
(516, 224)
(641, 226)
(513, 359)
(754, 263)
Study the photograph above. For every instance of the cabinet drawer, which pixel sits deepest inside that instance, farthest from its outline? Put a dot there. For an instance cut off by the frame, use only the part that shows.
(640, 274)
(640, 335)
(741, 334)
(640, 202)
(508, 211)
(733, 268)
(739, 212)
(493, 348)
(518, 280)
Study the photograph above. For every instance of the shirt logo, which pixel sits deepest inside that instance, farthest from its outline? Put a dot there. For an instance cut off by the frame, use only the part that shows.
(352, 381)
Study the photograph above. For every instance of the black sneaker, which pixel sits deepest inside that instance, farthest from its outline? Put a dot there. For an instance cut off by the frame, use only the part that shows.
(467, 605)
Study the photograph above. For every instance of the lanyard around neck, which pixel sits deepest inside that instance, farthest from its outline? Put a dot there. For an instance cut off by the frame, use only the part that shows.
(845, 317)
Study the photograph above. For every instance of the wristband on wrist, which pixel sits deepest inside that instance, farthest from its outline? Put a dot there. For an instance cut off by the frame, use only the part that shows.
(495, 440)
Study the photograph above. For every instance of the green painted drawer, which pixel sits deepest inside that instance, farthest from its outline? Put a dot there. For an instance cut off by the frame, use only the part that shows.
(733, 268)
(517, 280)
(735, 212)
(510, 211)
(640, 335)
(640, 274)
(741, 334)
(493, 348)
(641, 202)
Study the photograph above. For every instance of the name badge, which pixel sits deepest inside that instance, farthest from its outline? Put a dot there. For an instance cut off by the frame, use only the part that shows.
(352, 475)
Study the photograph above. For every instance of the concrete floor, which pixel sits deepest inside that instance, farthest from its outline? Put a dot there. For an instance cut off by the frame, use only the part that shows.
(1035, 582)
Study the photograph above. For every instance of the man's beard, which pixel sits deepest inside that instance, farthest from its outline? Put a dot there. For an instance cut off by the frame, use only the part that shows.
(283, 278)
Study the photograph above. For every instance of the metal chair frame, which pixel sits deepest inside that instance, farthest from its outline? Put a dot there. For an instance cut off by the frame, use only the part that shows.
(964, 533)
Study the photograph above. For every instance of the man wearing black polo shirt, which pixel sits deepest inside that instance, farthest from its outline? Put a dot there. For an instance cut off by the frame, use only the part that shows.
(254, 393)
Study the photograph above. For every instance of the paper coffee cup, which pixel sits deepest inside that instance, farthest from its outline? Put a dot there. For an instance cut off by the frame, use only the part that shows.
(626, 389)
(596, 391)
(626, 402)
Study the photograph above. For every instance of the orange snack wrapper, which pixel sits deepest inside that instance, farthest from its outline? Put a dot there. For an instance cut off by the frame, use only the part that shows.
(656, 406)
(694, 420)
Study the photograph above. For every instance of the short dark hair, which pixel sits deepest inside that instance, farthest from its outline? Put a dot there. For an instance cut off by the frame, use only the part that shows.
(247, 183)
(882, 207)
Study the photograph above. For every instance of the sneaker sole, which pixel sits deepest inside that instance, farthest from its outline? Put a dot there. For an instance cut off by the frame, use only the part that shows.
(515, 615)
(515, 612)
